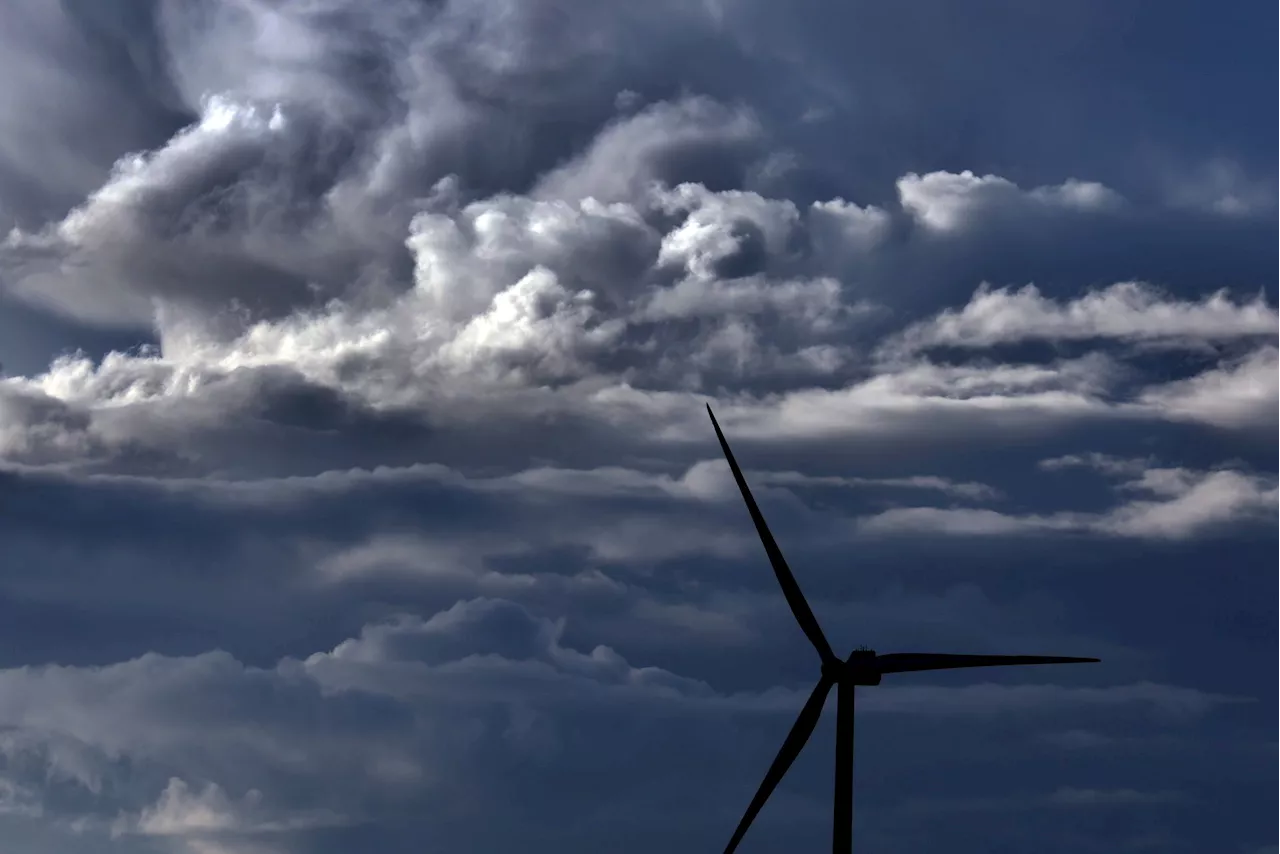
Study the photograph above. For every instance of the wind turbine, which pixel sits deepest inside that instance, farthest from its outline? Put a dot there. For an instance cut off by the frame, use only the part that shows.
(862, 667)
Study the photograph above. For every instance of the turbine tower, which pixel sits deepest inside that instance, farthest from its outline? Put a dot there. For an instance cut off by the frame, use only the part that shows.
(862, 667)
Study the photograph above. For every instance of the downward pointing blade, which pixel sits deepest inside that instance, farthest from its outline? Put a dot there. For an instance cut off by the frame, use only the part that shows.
(790, 589)
(902, 662)
(795, 741)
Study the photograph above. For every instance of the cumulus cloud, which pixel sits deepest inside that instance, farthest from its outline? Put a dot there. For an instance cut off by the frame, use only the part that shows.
(511, 293)
(188, 222)
(946, 202)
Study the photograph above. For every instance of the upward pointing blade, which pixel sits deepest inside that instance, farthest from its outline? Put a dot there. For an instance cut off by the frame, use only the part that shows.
(790, 589)
(800, 732)
(902, 662)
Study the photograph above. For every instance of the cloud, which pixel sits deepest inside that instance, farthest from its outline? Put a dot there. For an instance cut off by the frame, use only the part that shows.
(159, 227)
(19, 800)
(1191, 501)
(363, 375)
(1183, 503)
(408, 702)
(73, 105)
(914, 520)
(181, 812)
(314, 145)
(944, 201)
(1127, 311)
(1240, 394)
(502, 297)
(656, 145)
(1223, 188)
(922, 399)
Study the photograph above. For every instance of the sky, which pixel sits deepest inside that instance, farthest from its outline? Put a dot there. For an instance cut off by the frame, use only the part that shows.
(357, 491)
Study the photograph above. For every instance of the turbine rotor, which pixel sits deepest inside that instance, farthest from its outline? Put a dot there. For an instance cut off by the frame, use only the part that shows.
(862, 667)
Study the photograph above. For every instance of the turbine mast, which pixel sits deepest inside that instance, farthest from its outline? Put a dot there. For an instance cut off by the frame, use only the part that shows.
(842, 818)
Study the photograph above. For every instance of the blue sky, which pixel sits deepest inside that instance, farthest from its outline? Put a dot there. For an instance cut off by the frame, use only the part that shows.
(357, 488)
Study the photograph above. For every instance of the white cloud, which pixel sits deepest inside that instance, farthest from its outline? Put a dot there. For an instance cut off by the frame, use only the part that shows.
(1245, 393)
(842, 228)
(1187, 503)
(923, 398)
(957, 521)
(947, 202)
(1127, 311)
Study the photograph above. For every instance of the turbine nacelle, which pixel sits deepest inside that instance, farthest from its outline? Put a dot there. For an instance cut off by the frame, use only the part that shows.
(860, 668)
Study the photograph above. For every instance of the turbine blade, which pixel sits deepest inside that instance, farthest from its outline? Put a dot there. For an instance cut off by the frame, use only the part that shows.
(790, 589)
(902, 662)
(795, 741)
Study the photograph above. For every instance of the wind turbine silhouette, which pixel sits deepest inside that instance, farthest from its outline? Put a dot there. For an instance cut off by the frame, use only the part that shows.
(862, 667)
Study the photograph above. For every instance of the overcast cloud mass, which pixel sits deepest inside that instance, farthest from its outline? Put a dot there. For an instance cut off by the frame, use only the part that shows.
(356, 487)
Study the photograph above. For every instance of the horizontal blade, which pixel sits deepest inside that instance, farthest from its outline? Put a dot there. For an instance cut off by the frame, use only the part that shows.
(790, 589)
(800, 732)
(902, 662)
